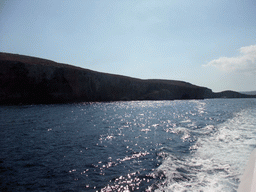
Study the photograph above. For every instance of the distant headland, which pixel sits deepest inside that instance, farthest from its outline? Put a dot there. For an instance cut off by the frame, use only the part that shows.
(31, 80)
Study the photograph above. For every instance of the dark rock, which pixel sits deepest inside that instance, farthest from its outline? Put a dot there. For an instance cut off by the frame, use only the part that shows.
(30, 80)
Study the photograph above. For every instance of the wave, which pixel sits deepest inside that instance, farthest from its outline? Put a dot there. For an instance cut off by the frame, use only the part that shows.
(217, 158)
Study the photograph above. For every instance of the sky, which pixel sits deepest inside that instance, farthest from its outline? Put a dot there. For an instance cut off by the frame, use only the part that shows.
(210, 43)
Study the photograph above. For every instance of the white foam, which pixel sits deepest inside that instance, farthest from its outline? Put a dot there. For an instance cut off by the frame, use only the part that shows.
(216, 161)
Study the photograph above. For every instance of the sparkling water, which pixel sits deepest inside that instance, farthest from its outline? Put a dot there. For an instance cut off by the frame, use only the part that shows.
(192, 145)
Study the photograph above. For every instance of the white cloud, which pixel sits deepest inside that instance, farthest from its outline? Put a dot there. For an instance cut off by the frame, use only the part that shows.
(245, 62)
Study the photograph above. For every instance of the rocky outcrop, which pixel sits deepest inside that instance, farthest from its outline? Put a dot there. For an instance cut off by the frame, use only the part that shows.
(30, 80)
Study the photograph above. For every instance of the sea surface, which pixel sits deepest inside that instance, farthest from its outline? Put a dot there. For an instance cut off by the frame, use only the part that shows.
(191, 145)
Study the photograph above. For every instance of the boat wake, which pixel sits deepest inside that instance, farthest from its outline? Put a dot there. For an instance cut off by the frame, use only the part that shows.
(217, 159)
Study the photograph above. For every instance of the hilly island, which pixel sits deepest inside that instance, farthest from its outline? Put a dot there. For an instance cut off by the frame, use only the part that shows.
(31, 80)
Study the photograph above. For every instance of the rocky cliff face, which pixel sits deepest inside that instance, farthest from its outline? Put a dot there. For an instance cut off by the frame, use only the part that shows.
(29, 80)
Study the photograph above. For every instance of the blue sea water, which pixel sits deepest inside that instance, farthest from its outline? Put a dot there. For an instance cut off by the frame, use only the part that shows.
(192, 145)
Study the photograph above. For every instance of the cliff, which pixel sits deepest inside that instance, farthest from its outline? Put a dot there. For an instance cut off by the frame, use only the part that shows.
(28, 80)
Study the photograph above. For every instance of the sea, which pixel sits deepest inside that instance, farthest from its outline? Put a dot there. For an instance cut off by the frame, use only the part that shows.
(181, 145)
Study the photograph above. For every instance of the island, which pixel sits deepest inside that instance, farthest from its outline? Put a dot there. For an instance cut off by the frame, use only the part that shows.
(31, 80)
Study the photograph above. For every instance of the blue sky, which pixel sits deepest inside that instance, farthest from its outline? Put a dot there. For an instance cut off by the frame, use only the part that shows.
(209, 43)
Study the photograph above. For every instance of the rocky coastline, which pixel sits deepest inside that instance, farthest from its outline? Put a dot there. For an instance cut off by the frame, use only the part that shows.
(31, 80)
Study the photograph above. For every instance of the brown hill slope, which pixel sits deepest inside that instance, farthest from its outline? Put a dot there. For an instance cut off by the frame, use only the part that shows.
(27, 80)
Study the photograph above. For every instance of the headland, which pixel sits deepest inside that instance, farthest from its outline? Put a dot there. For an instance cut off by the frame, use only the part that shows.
(31, 80)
